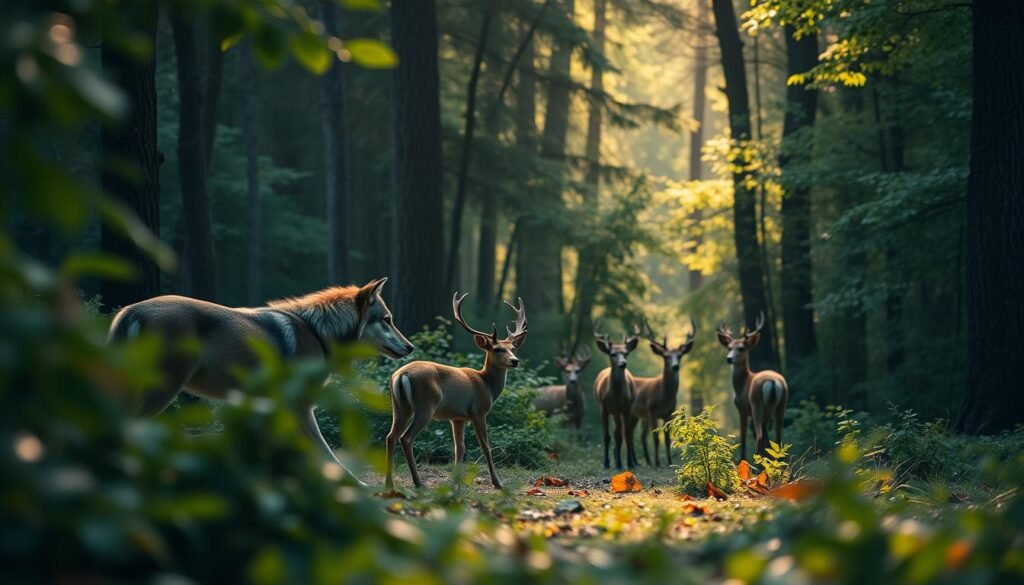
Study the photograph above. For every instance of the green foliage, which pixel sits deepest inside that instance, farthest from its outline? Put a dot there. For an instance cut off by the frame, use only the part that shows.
(775, 465)
(706, 455)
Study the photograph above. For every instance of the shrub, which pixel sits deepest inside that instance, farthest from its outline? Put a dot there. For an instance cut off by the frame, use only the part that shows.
(774, 465)
(706, 455)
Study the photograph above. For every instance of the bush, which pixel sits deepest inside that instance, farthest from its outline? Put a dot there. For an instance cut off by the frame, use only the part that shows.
(706, 455)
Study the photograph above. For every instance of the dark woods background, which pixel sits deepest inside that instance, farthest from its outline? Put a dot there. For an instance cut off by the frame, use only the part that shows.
(577, 153)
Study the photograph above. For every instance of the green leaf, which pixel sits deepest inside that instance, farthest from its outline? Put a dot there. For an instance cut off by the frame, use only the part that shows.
(101, 265)
(372, 54)
(312, 52)
(270, 46)
(369, 5)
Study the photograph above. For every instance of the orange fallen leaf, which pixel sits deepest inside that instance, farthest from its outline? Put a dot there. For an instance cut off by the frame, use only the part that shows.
(762, 479)
(796, 490)
(715, 492)
(957, 553)
(685, 497)
(694, 509)
(578, 493)
(550, 482)
(625, 482)
(535, 492)
(743, 469)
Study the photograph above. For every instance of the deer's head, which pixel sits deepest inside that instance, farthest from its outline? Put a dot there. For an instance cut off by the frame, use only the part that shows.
(673, 356)
(617, 352)
(500, 352)
(739, 347)
(572, 366)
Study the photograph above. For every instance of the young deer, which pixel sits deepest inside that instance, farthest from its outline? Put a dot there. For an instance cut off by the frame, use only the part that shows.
(614, 390)
(424, 391)
(567, 398)
(760, 396)
(656, 397)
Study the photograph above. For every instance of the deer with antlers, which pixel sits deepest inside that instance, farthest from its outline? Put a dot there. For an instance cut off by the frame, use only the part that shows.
(760, 396)
(567, 398)
(425, 391)
(614, 390)
(655, 399)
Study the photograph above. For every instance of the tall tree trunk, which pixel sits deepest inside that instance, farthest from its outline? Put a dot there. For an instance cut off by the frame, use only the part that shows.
(192, 163)
(252, 174)
(797, 142)
(748, 250)
(419, 201)
(586, 271)
(467, 148)
(700, 82)
(995, 213)
(211, 110)
(132, 142)
(336, 167)
(538, 265)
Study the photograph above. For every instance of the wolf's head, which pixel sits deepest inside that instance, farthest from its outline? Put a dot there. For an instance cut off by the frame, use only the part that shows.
(376, 325)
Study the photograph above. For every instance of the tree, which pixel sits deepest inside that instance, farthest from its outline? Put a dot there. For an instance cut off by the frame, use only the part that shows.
(336, 167)
(700, 82)
(797, 142)
(419, 200)
(748, 254)
(995, 213)
(192, 162)
(131, 166)
(252, 175)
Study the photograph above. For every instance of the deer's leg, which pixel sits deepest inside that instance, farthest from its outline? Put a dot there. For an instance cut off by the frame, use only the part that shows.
(399, 423)
(760, 426)
(630, 422)
(459, 436)
(744, 418)
(607, 437)
(419, 422)
(176, 373)
(653, 424)
(668, 444)
(644, 430)
(780, 415)
(618, 442)
(480, 426)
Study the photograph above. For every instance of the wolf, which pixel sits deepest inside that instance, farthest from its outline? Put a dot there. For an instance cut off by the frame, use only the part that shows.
(296, 327)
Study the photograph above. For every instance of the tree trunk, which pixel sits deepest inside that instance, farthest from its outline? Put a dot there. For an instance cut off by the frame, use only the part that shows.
(585, 282)
(700, 82)
(132, 142)
(538, 264)
(995, 213)
(214, 80)
(797, 142)
(336, 167)
(419, 201)
(748, 250)
(255, 273)
(467, 148)
(192, 164)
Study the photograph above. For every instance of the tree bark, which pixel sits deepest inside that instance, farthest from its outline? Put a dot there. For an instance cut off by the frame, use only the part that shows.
(255, 206)
(538, 264)
(700, 82)
(469, 128)
(419, 201)
(214, 81)
(995, 213)
(336, 167)
(192, 163)
(132, 142)
(801, 106)
(585, 282)
(748, 250)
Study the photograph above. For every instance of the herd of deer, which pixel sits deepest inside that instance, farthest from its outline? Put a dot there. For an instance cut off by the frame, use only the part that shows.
(424, 391)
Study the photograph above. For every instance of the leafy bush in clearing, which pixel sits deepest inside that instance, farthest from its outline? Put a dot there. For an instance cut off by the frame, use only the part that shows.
(706, 455)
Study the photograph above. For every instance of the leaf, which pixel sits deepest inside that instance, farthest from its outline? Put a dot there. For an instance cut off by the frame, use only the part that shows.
(371, 54)
(625, 482)
(535, 492)
(578, 493)
(368, 5)
(762, 479)
(694, 509)
(312, 52)
(100, 265)
(715, 492)
(550, 482)
(270, 46)
(743, 470)
(796, 491)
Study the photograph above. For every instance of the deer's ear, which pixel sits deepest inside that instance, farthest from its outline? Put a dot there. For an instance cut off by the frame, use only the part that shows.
(753, 339)
(560, 362)
(603, 345)
(631, 343)
(686, 347)
(657, 349)
(482, 341)
(724, 339)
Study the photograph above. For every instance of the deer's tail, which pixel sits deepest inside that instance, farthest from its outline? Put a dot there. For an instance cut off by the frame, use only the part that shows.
(126, 325)
(772, 392)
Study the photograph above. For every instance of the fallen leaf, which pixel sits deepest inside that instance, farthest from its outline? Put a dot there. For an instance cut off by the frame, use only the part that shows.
(743, 469)
(547, 481)
(762, 479)
(694, 509)
(685, 497)
(578, 493)
(625, 482)
(657, 492)
(957, 553)
(715, 492)
(535, 492)
(796, 490)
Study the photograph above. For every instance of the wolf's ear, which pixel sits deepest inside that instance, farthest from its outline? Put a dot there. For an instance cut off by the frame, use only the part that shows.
(369, 292)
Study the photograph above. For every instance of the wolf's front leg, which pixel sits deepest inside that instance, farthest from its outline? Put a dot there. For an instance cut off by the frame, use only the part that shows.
(312, 430)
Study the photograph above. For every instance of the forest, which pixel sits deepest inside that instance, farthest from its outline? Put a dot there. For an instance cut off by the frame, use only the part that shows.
(799, 222)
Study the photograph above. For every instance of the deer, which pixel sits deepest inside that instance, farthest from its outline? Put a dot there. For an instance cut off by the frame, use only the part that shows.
(566, 398)
(760, 396)
(655, 398)
(614, 390)
(423, 391)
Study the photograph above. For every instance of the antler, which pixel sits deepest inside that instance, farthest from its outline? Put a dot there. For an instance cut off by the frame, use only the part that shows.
(649, 334)
(583, 355)
(597, 332)
(758, 327)
(516, 337)
(724, 330)
(457, 311)
(693, 330)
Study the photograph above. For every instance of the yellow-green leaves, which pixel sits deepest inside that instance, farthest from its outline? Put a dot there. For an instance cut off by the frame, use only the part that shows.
(312, 52)
(371, 54)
